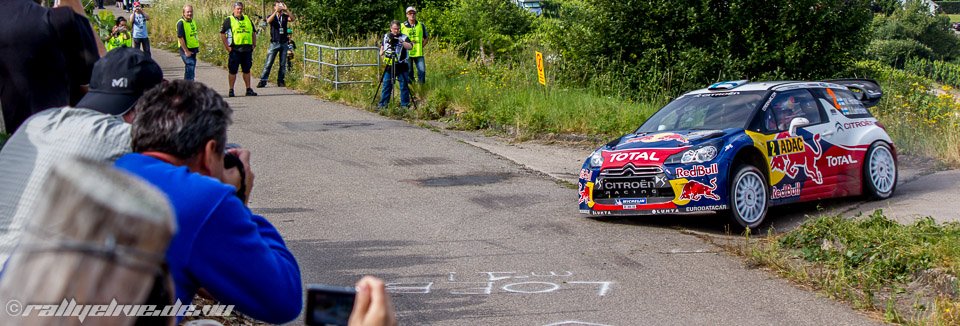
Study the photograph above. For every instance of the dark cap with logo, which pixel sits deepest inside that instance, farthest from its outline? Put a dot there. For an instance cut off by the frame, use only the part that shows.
(119, 79)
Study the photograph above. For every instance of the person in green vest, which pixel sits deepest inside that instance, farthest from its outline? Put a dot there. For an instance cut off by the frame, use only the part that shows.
(119, 35)
(189, 42)
(238, 38)
(416, 31)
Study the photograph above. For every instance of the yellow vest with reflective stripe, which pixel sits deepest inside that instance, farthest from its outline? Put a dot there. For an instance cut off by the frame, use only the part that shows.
(415, 34)
(242, 30)
(122, 39)
(190, 34)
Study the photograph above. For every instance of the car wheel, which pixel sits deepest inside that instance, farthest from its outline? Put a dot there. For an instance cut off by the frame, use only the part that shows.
(879, 171)
(749, 198)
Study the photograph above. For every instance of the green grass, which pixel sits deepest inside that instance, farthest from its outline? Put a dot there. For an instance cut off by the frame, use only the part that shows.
(906, 272)
(954, 18)
(3, 139)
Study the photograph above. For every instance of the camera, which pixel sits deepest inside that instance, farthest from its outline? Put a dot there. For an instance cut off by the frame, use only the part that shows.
(229, 159)
(329, 305)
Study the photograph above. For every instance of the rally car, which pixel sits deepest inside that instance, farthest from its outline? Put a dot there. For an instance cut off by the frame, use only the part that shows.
(740, 147)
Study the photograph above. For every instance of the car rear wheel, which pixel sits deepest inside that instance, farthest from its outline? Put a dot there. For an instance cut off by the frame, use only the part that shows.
(748, 197)
(879, 171)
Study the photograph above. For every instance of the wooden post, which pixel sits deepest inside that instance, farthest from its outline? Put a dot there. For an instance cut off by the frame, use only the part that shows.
(98, 234)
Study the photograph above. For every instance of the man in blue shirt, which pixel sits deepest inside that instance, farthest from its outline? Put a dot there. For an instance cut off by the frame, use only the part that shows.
(139, 20)
(178, 140)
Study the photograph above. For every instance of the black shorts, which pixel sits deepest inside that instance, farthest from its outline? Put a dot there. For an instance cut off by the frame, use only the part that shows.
(240, 59)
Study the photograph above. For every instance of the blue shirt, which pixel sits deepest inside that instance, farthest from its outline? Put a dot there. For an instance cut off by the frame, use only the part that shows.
(139, 26)
(221, 246)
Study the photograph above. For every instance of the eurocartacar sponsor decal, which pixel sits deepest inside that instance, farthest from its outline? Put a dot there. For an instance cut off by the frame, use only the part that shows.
(641, 156)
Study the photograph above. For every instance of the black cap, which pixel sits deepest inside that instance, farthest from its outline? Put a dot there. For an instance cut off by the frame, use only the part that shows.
(119, 79)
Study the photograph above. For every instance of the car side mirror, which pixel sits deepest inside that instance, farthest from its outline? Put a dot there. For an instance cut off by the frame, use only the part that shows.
(798, 122)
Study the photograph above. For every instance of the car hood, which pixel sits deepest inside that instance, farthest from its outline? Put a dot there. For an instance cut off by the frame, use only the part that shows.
(667, 139)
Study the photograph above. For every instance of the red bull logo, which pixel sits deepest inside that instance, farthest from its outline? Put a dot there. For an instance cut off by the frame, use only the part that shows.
(695, 190)
(786, 191)
(666, 136)
(788, 155)
(697, 171)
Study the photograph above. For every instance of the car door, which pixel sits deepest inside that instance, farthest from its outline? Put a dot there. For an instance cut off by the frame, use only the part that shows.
(796, 165)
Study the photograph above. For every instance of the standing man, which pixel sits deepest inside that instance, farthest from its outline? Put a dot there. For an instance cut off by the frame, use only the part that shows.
(239, 44)
(189, 42)
(417, 32)
(394, 53)
(279, 35)
(139, 20)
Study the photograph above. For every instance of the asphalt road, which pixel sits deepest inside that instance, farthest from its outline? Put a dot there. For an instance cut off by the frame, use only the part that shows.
(466, 237)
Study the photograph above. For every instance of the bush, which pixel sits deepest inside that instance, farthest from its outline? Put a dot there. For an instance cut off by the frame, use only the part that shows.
(914, 22)
(484, 28)
(897, 52)
(949, 7)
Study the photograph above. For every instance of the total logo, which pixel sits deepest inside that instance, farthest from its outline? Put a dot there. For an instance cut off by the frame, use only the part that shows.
(840, 160)
(697, 171)
(634, 156)
(786, 191)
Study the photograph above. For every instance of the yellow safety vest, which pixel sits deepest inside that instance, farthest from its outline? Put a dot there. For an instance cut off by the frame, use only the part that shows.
(122, 39)
(242, 31)
(190, 34)
(415, 34)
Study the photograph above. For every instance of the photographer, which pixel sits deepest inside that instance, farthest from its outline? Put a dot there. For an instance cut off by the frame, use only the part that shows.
(139, 20)
(395, 55)
(119, 35)
(279, 35)
(179, 141)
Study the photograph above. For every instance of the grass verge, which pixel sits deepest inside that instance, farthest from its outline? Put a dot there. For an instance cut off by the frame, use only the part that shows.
(505, 97)
(905, 272)
(3, 139)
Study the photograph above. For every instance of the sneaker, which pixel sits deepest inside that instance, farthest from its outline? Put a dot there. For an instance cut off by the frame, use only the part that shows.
(261, 84)
(230, 94)
(281, 84)
(250, 92)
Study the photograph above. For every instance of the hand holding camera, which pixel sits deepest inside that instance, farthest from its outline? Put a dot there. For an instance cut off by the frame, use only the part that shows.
(237, 171)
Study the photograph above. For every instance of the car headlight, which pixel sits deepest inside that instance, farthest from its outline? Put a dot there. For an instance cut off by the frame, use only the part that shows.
(701, 154)
(596, 159)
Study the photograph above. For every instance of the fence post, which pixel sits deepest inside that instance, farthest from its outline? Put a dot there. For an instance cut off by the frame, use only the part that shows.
(336, 69)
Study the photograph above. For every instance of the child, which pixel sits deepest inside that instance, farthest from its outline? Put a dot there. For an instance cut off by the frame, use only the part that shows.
(291, 47)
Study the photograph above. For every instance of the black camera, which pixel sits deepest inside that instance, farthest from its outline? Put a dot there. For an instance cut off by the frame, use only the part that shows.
(329, 305)
(229, 159)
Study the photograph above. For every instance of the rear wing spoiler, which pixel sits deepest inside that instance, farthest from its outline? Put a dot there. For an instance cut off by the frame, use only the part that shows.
(866, 90)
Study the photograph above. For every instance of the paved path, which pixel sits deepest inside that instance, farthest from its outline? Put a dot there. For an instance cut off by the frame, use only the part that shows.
(471, 238)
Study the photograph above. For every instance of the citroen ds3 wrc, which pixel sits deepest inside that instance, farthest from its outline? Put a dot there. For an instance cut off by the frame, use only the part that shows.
(740, 147)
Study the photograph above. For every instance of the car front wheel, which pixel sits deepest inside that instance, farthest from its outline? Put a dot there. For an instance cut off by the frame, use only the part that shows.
(879, 171)
(748, 197)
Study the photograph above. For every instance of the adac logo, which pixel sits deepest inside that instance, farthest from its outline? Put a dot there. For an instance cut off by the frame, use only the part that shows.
(789, 159)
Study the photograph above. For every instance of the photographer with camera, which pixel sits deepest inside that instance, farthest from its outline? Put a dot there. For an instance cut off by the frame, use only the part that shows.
(139, 20)
(119, 35)
(394, 50)
(279, 35)
(179, 142)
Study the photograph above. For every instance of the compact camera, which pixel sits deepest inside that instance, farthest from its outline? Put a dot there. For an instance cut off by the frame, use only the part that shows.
(329, 305)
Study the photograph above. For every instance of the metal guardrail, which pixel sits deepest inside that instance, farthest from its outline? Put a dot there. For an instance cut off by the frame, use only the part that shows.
(336, 65)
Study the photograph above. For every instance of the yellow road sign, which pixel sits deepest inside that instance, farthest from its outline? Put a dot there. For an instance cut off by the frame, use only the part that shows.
(540, 76)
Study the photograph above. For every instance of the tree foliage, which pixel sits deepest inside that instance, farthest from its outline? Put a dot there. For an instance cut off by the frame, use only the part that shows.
(912, 31)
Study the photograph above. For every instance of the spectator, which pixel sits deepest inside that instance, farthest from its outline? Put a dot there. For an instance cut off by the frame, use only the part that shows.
(417, 32)
(279, 30)
(394, 52)
(120, 35)
(189, 42)
(46, 56)
(100, 4)
(97, 129)
(239, 44)
(179, 137)
(139, 20)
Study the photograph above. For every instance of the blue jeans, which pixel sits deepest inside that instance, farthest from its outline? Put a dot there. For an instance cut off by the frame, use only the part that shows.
(421, 69)
(403, 79)
(271, 55)
(189, 64)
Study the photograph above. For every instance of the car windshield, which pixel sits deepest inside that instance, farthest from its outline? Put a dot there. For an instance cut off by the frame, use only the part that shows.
(711, 111)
